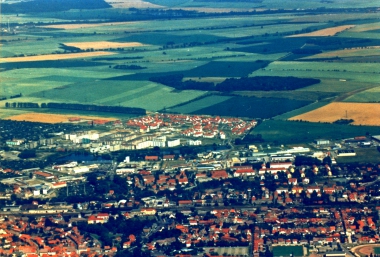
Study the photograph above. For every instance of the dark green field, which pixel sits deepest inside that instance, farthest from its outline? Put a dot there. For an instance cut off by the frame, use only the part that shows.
(287, 251)
(252, 107)
(292, 132)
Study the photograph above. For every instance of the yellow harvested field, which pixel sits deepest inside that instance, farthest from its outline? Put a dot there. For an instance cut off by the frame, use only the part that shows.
(51, 118)
(103, 45)
(52, 57)
(361, 113)
(131, 3)
(325, 32)
(87, 25)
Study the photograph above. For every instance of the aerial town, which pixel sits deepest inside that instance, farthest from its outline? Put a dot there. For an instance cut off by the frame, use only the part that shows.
(189, 128)
(180, 185)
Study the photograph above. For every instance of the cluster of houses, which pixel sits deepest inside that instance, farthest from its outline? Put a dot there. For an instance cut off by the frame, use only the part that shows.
(47, 236)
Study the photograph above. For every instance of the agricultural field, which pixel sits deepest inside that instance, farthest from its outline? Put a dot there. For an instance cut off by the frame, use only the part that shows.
(360, 113)
(294, 132)
(107, 56)
(370, 95)
(52, 118)
(325, 32)
(51, 57)
(102, 45)
(199, 104)
(288, 251)
(252, 107)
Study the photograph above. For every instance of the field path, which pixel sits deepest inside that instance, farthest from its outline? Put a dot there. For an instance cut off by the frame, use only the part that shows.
(345, 95)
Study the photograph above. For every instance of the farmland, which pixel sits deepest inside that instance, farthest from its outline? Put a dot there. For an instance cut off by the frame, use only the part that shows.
(102, 45)
(325, 32)
(295, 132)
(361, 113)
(107, 56)
(51, 118)
(49, 57)
(252, 107)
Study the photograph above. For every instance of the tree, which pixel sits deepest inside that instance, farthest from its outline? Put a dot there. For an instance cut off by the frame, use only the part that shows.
(327, 160)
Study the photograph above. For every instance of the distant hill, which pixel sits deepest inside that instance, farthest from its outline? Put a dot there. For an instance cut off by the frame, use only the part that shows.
(35, 6)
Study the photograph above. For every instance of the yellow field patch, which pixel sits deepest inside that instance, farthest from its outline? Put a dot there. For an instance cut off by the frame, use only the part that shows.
(325, 32)
(52, 57)
(102, 45)
(86, 25)
(52, 118)
(361, 113)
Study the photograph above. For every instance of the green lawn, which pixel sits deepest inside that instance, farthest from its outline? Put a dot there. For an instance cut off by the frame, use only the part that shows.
(287, 251)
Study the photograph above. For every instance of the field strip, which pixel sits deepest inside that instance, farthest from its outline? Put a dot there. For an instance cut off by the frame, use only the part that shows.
(52, 57)
(52, 118)
(325, 32)
(86, 25)
(361, 113)
(305, 109)
(131, 4)
(351, 93)
(368, 51)
(102, 45)
(130, 94)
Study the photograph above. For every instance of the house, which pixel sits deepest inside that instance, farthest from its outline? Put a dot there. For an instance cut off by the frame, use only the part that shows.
(148, 211)
(169, 157)
(151, 158)
(219, 174)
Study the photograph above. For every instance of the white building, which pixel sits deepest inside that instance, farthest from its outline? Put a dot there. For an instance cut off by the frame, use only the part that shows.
(174, 142)
(194, 142)
(144, 144)
(159, 141)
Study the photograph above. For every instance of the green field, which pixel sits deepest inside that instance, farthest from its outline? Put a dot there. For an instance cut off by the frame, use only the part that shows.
(287, 251)
(370, 95)
(363, 155)
(199, 104)
(376, 250)
(292, 132)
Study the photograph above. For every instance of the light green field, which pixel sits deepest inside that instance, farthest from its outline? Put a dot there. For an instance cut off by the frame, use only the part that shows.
(142, 94)
(370, 95)
(258, 31)
(346, 53)
(365, 72)
(334, 85)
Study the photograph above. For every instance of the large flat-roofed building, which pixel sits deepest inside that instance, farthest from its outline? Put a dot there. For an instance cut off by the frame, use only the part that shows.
(44, 175)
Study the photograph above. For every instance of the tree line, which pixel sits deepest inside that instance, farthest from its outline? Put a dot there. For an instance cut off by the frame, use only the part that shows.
(259, 83)
(73, 106)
